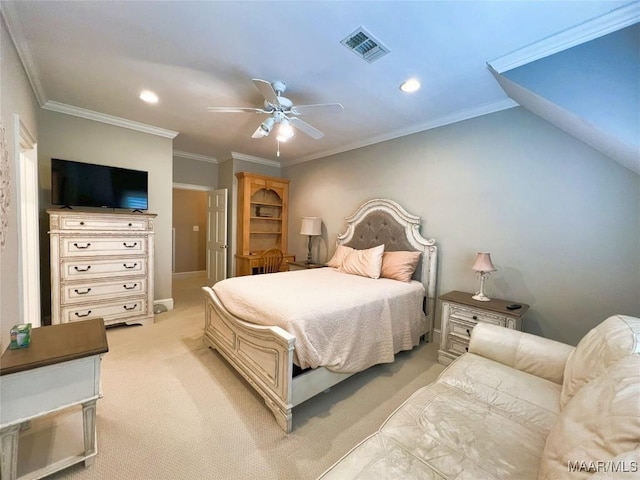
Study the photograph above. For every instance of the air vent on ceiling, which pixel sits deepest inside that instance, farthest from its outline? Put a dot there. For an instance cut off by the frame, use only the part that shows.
(365, 45)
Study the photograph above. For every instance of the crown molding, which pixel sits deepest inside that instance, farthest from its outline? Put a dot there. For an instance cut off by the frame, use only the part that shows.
(597, 27)
(189, 186)
(194, 156)
(109, 119)
(16, 33)
(251, 158)
(438, 122)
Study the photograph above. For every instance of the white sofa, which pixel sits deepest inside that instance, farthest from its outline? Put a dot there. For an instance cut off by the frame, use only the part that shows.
(517, 406)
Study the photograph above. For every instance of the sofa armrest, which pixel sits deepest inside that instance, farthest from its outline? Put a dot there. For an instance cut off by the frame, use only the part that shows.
(526, 352)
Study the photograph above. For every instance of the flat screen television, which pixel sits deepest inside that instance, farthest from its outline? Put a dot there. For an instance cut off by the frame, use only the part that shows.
(77, 184)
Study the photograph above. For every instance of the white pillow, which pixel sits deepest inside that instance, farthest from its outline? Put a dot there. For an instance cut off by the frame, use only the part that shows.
(339, 256)
(600, 422)
(366, 263)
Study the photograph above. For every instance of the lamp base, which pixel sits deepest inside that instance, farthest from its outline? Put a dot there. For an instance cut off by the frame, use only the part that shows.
(481, 297)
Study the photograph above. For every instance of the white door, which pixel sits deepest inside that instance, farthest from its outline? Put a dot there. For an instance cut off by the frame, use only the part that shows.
(216, 236)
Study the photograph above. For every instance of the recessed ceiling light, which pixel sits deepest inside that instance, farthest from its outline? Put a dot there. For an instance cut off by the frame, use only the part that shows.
(410, 86)
(148, 96)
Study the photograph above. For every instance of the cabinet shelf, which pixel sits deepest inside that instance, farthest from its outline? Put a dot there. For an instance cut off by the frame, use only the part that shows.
(267, 204)
(255, 232)
(267, 218)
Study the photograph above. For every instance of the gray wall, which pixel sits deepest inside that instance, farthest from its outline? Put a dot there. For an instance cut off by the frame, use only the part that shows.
(195, 172)
(72, 138)
(561, 220)
(16, 98)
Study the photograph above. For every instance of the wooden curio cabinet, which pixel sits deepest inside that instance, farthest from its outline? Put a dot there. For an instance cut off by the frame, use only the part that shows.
(262, 219)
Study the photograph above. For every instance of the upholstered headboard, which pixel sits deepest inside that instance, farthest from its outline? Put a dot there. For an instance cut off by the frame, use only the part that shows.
(381, 221)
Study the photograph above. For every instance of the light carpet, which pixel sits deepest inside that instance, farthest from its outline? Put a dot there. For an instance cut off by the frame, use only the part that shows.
(174, 409)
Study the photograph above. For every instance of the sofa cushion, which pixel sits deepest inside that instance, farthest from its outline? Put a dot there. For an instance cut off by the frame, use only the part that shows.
(463, 438)
(613, 339)
(601, 421)
(381, 458)
(520, 395)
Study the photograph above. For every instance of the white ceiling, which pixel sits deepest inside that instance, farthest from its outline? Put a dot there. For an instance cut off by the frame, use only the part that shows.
(98, 55)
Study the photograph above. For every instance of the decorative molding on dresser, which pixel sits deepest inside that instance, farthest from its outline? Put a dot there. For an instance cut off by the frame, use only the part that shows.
(102, 267)
(460, 313)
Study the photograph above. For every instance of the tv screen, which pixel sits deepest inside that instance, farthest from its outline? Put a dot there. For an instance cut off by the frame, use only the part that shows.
(77, 184)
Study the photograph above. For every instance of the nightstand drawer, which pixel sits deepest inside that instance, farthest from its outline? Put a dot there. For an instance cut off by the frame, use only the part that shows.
(456, 345)
(472, 315)
(460, 328)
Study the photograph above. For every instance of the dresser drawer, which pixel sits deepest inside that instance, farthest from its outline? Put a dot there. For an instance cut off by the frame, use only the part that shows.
(90, 246)
(473, 316)
(103, 223)
(87, 291)
(96, 269)
(110, 312)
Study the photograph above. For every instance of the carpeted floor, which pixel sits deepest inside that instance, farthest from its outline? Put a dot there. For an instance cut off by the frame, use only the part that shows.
(174, 409)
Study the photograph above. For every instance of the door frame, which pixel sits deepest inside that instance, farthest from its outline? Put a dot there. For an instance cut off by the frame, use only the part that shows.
(186, 186)
(28, 212)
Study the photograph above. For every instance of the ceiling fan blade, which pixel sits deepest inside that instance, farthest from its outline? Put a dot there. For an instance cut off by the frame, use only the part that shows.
(306, 128)
(319, 108)
(236, 110)
(267, 91)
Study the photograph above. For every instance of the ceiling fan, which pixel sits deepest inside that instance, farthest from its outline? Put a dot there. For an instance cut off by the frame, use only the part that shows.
(282, 112)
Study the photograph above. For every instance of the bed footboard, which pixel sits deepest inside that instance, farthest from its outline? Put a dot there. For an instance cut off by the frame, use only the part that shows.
(262, 355)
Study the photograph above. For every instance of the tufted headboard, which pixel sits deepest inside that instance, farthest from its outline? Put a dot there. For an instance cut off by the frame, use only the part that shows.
(381, 221)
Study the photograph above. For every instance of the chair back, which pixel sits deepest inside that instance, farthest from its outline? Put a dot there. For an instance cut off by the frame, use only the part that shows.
(271, 260)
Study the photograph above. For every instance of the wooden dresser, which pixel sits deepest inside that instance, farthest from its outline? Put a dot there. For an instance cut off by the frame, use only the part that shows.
(263, 220)
(101, 266)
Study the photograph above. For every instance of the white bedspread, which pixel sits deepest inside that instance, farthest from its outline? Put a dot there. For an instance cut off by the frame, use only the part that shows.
(343, 322)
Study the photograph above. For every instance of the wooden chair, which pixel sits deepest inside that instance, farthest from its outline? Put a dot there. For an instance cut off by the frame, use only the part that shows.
(271, 261)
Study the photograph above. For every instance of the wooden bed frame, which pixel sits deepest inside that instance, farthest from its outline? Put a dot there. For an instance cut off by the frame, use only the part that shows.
(264, 355)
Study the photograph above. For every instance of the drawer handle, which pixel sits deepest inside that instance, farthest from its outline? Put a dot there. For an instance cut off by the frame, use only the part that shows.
(82, 316)
(81, 223)
(129, 266)
(468, 332)
(129, 246)
(131, 287)
(82, 269)
(466, 349)
(131, 224)
(81, 247)
(82, 293)
(475, 317)
(130, 308)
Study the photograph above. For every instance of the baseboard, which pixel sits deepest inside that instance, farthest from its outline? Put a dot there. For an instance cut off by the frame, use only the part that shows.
(167, 303)
(197, 273)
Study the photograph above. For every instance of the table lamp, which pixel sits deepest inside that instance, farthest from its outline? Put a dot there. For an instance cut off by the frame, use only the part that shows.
(312, 227)
(483, 267)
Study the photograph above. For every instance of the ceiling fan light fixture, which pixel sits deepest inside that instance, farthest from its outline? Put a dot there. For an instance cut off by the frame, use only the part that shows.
(285, 131)
(148, 96)
(411, 85)
(266, 126)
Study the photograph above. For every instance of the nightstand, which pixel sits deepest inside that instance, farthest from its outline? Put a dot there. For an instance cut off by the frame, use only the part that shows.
(304, 265)
(460, 313)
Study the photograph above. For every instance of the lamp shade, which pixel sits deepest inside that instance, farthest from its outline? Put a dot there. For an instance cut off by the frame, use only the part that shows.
(483, 263)
(311, 226)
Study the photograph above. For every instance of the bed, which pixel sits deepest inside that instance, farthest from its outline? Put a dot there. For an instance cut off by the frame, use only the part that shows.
(268, 339)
